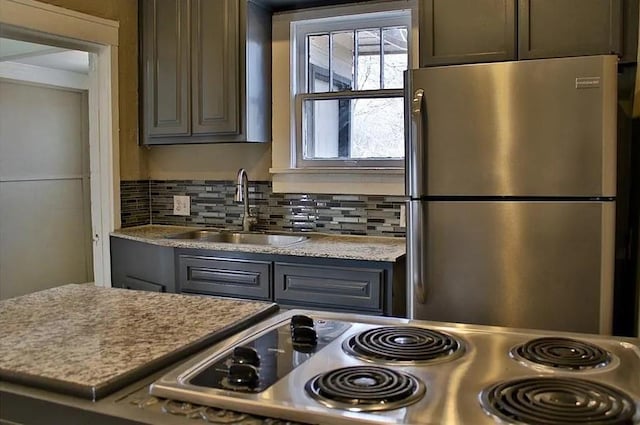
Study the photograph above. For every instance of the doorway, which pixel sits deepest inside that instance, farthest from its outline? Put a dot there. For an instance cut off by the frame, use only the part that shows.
(41, 23)
(45, 201)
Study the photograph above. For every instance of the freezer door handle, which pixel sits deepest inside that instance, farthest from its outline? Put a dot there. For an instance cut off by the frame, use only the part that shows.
(415, 144)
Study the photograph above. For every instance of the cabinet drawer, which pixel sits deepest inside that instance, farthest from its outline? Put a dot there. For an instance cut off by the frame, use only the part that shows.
(224, 276)
(328, 286)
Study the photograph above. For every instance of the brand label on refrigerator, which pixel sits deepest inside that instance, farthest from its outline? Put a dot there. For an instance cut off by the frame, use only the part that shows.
(587, 82)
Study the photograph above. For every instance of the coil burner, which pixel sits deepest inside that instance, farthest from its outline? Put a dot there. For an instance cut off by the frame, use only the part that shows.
(555, 401)
(365, 388)
(398, 344)
(562, 353)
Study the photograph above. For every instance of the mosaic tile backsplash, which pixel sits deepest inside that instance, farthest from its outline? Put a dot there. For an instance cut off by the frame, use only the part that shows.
(135, 203)
(212, 204)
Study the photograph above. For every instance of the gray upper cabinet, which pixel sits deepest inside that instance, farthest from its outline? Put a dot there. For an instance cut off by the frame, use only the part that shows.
(466, 31)
(630, 31)
(215, 66)
(470, 31)
(206, 71)
(165, 42)
(569, 28)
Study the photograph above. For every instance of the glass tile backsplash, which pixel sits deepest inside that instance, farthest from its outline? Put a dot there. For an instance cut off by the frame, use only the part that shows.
(212, 204)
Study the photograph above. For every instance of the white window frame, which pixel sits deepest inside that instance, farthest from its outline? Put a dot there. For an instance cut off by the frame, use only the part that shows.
(287, 176)
(301, 162)
(300, 31)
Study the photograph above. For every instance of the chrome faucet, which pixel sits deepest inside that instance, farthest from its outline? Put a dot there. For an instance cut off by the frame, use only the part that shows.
(242, 195)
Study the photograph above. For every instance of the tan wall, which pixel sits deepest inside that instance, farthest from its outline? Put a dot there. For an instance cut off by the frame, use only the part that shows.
(636, 115)
(133, 160)
(166, 162)
(210, 162)
(636, 95)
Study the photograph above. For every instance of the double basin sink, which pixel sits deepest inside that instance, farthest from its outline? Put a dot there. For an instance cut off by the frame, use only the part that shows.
(217, 236)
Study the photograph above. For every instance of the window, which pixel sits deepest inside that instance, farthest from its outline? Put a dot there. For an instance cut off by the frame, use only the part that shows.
(349, 90)
(337, 86)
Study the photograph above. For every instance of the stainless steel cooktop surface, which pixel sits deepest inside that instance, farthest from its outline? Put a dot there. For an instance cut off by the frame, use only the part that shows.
(333, 368)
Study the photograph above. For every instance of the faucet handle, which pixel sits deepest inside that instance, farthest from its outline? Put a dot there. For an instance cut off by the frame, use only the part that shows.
(248, 221)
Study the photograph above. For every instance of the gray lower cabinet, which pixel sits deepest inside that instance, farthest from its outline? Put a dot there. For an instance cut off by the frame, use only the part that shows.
(466, 31)
(569, 28)
(224, 276)
(357, 286)
(342, 288)
(206, 71)
(142, 266)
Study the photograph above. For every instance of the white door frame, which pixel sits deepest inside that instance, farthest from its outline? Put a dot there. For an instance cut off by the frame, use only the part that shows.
(40, 22)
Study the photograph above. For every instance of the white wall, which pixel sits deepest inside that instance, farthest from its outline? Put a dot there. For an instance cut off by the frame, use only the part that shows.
(45, 226)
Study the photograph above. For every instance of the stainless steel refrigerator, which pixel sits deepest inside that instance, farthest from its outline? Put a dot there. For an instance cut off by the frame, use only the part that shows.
(511, 179)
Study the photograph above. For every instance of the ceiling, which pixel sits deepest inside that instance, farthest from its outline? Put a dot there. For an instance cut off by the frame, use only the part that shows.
(43, 56)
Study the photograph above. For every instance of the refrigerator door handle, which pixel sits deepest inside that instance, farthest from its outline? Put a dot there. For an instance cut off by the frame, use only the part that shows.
(416, 103)
(415, 157)
(416, 256)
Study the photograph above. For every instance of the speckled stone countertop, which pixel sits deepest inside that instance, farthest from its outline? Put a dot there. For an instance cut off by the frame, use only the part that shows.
(88, 341)
(317, 245)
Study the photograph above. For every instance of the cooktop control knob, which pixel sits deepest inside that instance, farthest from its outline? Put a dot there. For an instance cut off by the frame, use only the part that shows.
(246, 355)
(301, 320)
(304, 335)
(243, 375)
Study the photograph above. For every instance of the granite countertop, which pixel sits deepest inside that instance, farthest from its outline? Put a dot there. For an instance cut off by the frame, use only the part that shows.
(88, 341)
(370, 248)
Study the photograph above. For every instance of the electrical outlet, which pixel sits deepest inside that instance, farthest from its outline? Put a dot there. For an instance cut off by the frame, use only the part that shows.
(181, 205)
(403, 216)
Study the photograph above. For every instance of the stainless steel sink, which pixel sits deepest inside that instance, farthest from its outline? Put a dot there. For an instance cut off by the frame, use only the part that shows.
(239, 237)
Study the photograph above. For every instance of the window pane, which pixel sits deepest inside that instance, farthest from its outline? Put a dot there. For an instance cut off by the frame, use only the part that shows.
(353, 128)
(325, 121)
(342, 60)
(318, 63)
(368, 64)
(334, 61)
(378, 128)
(395, 58)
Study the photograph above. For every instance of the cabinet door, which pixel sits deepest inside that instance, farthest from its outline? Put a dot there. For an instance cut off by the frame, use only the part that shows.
(215, 67)
(330, 287)
(141, 285)
(224, 276)
(569, 28)
(165, 52)
(466, 31)
(142, 266)
(630, 31)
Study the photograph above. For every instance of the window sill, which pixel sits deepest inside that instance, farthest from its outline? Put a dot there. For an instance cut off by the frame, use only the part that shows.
(360, 181)
(339, 170)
